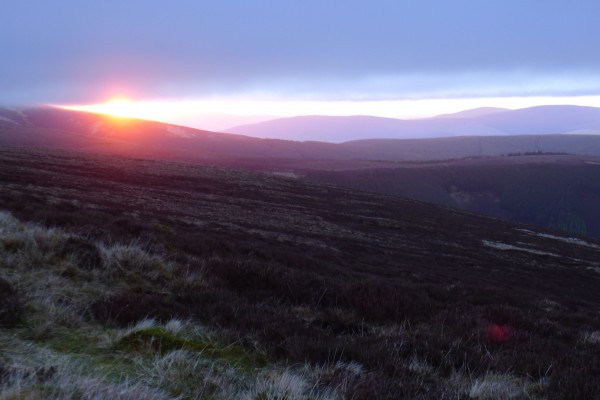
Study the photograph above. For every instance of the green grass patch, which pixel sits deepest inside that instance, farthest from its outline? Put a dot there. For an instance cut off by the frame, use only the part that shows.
(158, 340)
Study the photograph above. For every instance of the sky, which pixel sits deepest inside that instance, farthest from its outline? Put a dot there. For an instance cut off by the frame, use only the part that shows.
(260, 59)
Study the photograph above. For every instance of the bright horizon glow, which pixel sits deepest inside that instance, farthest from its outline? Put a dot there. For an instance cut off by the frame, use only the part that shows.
(200, 113)
(118, 106)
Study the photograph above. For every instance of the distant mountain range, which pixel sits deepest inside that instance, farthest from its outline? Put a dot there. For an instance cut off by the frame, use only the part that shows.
(475, 112)
(540, 120)
(58, 128)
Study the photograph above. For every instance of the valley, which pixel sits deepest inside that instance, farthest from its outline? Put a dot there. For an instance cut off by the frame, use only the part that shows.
(558, 191)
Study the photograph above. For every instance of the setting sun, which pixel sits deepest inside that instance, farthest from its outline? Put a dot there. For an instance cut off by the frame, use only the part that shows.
(117, 106)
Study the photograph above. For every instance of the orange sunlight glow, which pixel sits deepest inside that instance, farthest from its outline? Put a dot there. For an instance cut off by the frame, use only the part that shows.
(120, 107)
(181, 111)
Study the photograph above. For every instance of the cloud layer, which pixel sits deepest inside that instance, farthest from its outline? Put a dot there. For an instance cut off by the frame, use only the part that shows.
(73, 51)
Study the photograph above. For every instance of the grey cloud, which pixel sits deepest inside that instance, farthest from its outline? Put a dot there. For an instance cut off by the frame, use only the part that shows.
(75, 50)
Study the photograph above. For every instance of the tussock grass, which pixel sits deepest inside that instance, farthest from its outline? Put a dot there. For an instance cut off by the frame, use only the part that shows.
(9, 225)
(334, 379)
(62, 383)
(32, 371)
(192, 376)
(283, 385)
(103, 319)
(504, 387)
(59, 351)
(130, 261)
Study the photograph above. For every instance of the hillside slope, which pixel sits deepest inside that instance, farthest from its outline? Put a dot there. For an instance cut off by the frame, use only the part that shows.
(412, 300)
(57, 128)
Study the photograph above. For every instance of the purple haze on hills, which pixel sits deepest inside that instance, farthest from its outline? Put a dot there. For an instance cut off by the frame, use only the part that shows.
(475, 112)
(527, 121)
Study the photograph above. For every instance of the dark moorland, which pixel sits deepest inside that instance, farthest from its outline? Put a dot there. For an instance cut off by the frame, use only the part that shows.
(546, 180)
(426, 302)
(553, 190)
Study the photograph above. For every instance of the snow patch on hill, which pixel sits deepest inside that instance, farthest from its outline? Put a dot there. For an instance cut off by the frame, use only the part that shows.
(570, 240)
(505, 246)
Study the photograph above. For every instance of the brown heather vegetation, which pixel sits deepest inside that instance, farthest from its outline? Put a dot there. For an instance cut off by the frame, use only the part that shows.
(154, 280)
(554, 190)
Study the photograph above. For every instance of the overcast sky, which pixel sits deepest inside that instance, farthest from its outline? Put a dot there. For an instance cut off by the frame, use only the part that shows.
(68, 51)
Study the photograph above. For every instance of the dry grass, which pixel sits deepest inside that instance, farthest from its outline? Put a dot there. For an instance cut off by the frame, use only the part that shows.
(505, 387)
(59, 353)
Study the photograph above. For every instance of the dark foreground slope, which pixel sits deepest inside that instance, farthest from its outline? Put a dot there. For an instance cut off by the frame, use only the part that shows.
(426, 302)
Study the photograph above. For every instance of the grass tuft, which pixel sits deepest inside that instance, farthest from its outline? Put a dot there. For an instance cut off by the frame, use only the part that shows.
(500, 387)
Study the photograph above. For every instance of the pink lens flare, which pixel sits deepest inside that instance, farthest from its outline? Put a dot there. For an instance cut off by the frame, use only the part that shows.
(499, 333)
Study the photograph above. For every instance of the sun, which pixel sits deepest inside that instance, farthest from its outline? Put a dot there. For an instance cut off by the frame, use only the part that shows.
(118, 107)
(121, 107)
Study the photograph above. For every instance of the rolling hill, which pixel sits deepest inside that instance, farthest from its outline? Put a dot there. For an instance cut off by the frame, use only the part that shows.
(57, 128)
(540, 120)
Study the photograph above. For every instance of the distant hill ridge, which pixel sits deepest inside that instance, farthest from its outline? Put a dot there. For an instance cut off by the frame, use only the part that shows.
(64, 129)
(475, 112)
(539, 120)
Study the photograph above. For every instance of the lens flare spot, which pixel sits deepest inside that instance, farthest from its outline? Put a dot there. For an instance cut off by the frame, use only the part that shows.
(499, 333)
